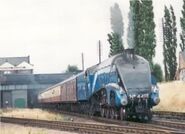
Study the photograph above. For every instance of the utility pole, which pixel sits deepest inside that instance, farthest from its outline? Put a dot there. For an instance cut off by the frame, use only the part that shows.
(82, 62)
(99, 51)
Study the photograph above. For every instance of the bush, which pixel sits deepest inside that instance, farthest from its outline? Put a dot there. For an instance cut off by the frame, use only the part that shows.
(157, 72)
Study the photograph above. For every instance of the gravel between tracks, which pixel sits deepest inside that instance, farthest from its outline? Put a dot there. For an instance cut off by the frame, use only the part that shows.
(7, 128)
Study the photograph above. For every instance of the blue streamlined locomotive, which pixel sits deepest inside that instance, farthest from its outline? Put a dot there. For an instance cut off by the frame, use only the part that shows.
(120, 87)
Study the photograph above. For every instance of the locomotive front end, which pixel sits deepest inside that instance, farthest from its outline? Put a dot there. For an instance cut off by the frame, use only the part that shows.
(135, 75)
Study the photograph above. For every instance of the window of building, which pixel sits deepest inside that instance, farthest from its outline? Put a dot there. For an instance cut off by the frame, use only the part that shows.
(7, 72)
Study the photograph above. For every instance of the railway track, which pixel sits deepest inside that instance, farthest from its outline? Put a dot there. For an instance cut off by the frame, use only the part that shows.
(170, 124)
(85, 127)
(155, 124)
(170, 115)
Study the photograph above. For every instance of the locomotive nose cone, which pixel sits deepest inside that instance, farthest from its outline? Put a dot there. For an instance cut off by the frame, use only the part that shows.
(156, 101)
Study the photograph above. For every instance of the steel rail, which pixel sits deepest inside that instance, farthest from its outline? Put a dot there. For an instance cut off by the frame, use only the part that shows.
(177, 125)
(154, 124)
(169, 115)
(84, 127)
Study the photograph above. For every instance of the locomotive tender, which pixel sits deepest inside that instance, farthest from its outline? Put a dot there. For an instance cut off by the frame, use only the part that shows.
(119, 87)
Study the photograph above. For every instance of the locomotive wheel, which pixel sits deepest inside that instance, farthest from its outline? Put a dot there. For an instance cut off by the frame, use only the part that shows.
(112, 102)
(122, 113)
(102, 112)
(91, 111)
(112, 113)
(107, 113)
(146, 117)
(103, 97)
(149, 115)
(112, 99)
(116, 114)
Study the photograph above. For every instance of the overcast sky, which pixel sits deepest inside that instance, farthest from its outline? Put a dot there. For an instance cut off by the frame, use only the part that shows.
(55, 32)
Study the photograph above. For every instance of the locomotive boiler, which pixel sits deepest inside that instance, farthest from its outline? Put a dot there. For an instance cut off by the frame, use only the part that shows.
(120, 87)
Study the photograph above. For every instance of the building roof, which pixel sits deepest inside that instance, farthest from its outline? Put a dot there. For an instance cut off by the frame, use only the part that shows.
(182, 60)
(27, 79)
(7, 65)
(14, 60)
(25, 65)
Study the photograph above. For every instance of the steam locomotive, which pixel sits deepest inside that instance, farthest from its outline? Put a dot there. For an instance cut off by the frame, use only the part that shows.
(119, 88)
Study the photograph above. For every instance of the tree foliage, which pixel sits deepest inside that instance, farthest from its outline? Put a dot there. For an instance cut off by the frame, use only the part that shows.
(135, 13)
(144, 28)
(116, 45)
(170, 43)
(72, 69)
(131, 26)
(157, 72)
(115, 37)
(182, 22)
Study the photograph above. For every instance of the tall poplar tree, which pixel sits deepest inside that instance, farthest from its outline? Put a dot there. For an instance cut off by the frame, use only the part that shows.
(165, 41)
(144, 28)
(134, 15)
(131, 28)
(173, 65)
(170, 43)
(115, 37)
(182, 22)
(141, 32)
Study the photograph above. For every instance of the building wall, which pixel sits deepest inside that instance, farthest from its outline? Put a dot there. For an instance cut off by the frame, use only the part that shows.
(6, 99)
(27, 92)
(18, 84)
(0, 99)
(181, 60)
(24, 86)
(15, 65)
(182, 75)
(19, 98)
(30, 71)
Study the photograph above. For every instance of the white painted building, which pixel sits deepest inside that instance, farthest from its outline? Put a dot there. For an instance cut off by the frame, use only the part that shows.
(15, 65)
(181, 70)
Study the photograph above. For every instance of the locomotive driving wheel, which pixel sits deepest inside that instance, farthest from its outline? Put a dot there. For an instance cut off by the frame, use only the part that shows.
(102, 112)
(122, 112)
(103, 97)
(113, 105)
(112, 113)
(149, 116)
(103, 103)
(146, 117)
(107, 113)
